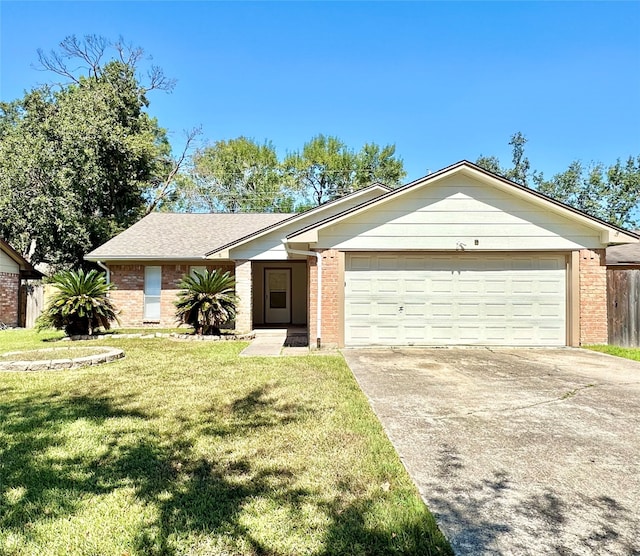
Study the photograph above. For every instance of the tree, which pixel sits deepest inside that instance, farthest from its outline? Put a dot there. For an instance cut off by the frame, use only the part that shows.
(238, 175)
(206, 301)
(78, 159)
(326, 168)
(80, 305)
(375, 164)
(611, 194)
(520, 171)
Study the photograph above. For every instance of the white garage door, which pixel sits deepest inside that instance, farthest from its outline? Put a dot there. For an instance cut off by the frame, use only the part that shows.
(455, 299)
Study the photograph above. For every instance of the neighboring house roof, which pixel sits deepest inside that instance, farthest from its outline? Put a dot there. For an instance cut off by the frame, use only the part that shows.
(624, 254)
(26, 270)
(611, 233)
(181, 236)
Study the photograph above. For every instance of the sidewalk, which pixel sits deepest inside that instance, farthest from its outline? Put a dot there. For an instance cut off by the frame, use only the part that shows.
(274, 342)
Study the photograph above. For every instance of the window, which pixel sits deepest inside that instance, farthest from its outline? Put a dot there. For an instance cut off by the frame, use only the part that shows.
(152, 287)
(198, 269)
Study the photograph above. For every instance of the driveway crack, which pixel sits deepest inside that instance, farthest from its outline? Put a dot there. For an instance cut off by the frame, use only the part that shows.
(565, 396)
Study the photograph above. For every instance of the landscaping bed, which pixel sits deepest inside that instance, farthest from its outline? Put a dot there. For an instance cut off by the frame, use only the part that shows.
(49, 359)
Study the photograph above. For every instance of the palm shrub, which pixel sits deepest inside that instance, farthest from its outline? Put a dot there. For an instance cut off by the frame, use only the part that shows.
(81, 303)
(206, 301)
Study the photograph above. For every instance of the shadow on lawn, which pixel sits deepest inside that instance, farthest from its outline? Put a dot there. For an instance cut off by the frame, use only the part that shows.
(195, 497)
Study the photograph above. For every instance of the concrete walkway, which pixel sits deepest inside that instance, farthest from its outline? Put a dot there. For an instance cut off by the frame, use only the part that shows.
(274, 342)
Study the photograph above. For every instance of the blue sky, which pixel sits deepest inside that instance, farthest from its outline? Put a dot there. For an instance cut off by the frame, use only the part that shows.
(442, 80)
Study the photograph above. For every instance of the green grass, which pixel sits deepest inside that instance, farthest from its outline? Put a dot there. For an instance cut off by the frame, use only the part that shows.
(184, 448)
(627, 353)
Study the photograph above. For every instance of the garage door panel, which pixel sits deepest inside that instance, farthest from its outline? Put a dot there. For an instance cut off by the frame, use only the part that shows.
(455, 299)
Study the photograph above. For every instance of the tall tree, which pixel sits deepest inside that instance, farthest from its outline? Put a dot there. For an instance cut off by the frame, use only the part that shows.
(376, 164)
(520, 171)
(521, 166)
(327, 168)
(76, 158)
(609, 193)
(324, 169)
(238, 175)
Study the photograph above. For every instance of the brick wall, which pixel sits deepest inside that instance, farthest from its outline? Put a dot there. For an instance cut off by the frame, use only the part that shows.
(9, 288)
(593, 297)
(244, 291)
(129, 293)
(330, 333)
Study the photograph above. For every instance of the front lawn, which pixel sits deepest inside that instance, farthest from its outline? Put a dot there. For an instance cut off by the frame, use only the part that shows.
(627, 353)
(184, 448)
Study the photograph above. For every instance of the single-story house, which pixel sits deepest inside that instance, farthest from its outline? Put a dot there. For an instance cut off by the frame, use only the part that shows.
(623, 294)
(461, 256)
(14, 269)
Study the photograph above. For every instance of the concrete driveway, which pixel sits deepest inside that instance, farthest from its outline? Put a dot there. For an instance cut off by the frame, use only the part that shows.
(515, 451)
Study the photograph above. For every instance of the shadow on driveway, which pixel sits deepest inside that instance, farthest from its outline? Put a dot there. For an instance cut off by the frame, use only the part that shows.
(515, 451)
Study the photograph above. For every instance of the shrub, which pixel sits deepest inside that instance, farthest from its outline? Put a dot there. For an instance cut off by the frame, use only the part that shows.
(80, 305)
(206, 301)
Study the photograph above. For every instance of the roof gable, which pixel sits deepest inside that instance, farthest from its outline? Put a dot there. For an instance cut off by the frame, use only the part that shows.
(26, 269)
(608, 233)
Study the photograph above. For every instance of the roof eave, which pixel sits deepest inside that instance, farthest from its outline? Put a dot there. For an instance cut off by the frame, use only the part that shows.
(113, 258)
(273, 227)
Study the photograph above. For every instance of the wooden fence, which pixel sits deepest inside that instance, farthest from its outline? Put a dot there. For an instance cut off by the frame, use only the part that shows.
(623, 300)
(31, 302)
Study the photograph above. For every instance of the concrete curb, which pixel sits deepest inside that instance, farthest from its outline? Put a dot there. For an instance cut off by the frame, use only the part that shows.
(54, 364)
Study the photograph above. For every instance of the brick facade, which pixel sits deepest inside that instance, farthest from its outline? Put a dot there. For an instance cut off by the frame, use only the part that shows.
(9, 290)
(129, 293)
(593, 297)
(331, 311)
(244, 291)
(129, 297)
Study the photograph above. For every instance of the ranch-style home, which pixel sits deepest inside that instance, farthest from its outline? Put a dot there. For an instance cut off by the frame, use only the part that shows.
(459, 257)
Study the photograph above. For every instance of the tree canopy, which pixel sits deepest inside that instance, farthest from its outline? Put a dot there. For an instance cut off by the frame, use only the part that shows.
(611, 193)
(326, 168)
(78, 159)
(238, 175)
(242, 175)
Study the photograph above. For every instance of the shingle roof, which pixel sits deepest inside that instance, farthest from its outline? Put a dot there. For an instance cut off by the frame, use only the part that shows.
(162, 235)
(624, 254)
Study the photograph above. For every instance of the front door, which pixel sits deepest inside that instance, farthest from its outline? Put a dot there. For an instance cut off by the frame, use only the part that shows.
(277, 295)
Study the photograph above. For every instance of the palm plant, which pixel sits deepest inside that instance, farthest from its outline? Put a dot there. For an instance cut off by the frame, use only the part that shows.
(206, 301)
(81, 303)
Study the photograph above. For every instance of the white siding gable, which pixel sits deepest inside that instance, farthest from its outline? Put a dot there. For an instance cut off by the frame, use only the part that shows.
(7, 264)
(458, 213)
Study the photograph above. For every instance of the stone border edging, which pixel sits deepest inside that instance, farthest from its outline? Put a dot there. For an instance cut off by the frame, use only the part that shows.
(170, 335)
(110, 354)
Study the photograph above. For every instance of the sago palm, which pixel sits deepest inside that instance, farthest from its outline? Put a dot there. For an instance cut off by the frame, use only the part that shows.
(206, 301)
(80, 304)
